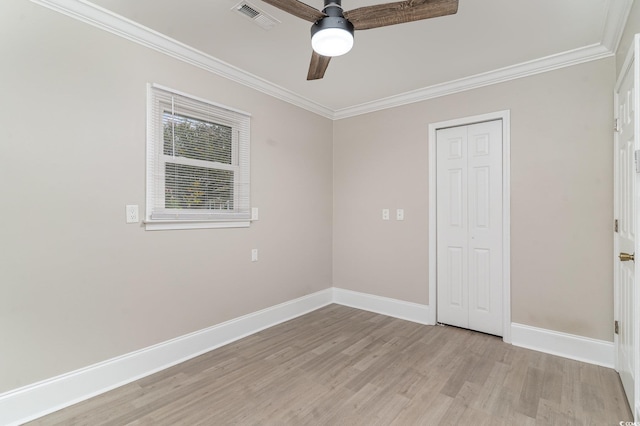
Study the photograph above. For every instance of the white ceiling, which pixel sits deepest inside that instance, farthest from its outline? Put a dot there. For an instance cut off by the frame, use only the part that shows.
(482, 37)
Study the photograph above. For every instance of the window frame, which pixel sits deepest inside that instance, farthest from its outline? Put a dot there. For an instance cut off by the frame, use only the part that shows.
(160, 100)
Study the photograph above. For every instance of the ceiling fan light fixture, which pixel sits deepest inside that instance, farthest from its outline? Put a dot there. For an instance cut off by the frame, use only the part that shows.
(332, 36)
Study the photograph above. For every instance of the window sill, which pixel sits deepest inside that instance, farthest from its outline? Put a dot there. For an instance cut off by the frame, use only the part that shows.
(159, 225)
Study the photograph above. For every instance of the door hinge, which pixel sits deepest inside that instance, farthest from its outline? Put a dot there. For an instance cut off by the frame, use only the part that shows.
(615, 125)
(615, 225)
(616, 327)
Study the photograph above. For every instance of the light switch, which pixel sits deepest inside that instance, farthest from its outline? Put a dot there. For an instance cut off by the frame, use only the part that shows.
(385, 214)
(254, 255)
(254, 213)
(400, 214)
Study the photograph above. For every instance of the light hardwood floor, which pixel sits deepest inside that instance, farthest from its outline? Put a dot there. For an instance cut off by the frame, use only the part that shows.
(343, 366)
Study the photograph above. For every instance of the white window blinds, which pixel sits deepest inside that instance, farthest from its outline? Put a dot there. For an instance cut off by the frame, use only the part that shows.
(197, 159)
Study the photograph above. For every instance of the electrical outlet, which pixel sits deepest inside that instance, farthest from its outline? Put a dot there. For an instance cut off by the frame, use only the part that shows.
(254, 213)
(400, 214)
(254, 255)
(385, 214)
(132, 213)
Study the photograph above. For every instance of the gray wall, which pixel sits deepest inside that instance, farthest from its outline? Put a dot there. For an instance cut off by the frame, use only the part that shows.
(561, 196)
(78, 284)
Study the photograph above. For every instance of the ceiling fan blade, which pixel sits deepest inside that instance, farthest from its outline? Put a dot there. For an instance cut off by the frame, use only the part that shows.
(318, 66)
(381, 15)
(297, 8)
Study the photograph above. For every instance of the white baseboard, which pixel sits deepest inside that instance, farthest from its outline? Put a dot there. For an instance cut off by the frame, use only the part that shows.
(580, 348)
(383, 305)
(36, 400)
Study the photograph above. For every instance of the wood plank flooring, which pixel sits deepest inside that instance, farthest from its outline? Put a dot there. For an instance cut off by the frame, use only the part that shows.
(343, 366)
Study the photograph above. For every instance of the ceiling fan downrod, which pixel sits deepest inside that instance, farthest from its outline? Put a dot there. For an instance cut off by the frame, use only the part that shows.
(331, 6)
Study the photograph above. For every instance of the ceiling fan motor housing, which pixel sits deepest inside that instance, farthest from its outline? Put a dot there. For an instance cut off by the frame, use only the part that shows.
(334, 20)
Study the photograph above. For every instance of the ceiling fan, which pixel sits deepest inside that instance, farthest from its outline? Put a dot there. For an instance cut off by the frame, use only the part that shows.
(332, 29)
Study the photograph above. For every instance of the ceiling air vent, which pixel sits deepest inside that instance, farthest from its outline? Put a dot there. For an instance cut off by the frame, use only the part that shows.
(256, 15)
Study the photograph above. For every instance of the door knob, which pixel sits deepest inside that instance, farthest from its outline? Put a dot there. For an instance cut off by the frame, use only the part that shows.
(624, 257)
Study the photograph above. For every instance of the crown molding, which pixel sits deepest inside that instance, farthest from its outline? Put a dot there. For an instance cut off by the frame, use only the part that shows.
(617, 15)
(525, 69)
(87, 12)
(104, 19)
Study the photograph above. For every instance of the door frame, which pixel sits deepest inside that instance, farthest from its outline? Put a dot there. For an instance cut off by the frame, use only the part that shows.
(631, 60)
(506, 211)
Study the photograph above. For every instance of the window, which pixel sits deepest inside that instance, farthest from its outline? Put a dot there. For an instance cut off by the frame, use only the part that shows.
(197, 163)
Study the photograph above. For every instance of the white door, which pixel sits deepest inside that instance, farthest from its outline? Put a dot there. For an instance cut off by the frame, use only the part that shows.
(625, 227)
(469, 226)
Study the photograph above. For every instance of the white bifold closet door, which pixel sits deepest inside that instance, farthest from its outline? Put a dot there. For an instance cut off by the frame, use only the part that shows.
(469, 226)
